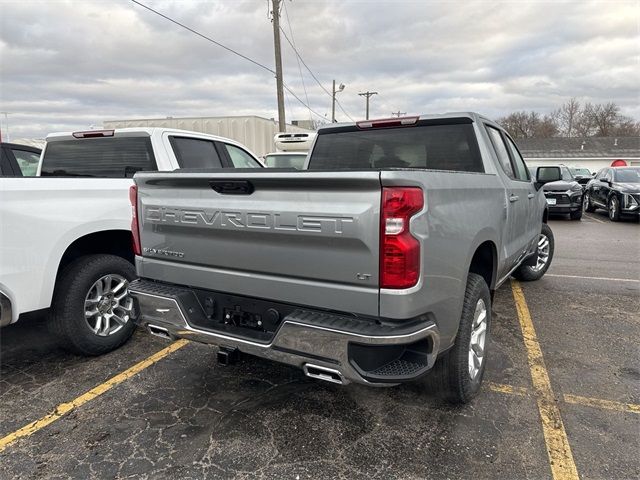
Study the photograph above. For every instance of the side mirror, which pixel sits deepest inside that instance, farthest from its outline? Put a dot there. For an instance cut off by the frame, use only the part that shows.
(583, 180)
(547, 174)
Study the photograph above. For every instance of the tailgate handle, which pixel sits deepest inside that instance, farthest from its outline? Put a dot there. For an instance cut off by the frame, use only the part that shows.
(232, 187)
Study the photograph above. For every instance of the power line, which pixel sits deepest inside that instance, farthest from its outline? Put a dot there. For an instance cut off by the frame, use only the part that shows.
(228, 49)
(312, 74)
(204, 36)
(304, 87)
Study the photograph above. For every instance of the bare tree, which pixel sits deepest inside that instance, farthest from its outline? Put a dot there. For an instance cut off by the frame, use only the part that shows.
(584, 124)
(605, 118)
(626, 127)
(546, 127)
(572, 120)
(529, 124)
(566, 117)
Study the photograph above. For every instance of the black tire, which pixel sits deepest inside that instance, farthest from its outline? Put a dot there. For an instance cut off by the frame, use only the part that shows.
(586, 203)
(450, 376)
(67, 314)
(528, 273)
(613, 208)
(577, 215)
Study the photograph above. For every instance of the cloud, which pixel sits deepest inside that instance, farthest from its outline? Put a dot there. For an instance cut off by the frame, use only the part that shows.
(66, 65)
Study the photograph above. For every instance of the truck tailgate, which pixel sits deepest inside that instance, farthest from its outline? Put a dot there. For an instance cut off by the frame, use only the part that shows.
(309, 238)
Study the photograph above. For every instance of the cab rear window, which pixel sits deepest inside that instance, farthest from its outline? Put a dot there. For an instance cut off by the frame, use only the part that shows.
(114, 157)
(434, 147)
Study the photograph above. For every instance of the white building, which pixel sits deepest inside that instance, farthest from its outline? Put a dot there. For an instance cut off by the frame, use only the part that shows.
(593, 153)
(256, 133)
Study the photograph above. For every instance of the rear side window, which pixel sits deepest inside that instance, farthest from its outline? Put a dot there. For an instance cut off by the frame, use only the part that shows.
(501, 151)
(195, 153)
(434, 147)
(240, 158)
(27, 161)
(114, 157)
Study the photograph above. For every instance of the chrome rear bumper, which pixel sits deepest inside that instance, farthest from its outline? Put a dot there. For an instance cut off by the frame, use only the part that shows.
(317, 342)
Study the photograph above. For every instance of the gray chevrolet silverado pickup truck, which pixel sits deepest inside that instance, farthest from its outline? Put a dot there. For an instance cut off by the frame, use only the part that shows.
(374, 265)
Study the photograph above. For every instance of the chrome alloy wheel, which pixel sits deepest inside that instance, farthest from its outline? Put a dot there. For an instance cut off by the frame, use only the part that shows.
(613, 208)
(543, 253)
(108, 306)
(585, 202)
(478, 337)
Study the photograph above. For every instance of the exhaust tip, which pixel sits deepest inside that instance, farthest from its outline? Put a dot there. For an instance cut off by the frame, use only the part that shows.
(159, 332)
(323, 373)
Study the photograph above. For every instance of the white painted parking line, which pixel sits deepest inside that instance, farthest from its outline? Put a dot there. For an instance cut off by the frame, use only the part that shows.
(591, 217)
(632, 280)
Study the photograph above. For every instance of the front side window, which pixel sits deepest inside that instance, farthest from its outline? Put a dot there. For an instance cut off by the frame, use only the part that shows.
(113, 157)
(240, 158)
(195, 153)
(275, 160)
(501, 151)
(27, 161)
(521, 168)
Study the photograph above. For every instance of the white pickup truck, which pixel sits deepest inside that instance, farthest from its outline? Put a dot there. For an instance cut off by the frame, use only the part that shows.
(65, 235)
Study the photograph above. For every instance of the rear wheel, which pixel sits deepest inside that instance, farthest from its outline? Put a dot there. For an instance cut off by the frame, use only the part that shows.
(586, 203)
(614, 208)
(458, 373)
(546, 244)
(92, 310)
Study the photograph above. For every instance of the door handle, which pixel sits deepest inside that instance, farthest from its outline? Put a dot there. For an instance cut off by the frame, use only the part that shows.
(531, 195)
(514, 198)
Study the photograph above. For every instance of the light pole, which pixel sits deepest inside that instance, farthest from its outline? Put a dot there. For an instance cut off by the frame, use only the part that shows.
(6, 122)
(333, 100)
(367, 95)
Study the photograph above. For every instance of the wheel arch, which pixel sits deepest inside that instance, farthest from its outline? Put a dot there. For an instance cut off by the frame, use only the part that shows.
(114, 242)
(484, 262)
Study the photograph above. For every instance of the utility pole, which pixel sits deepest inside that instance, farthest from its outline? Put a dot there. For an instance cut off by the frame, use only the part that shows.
(367, 95)
(398, 113)
(282, 125)
(333, 100)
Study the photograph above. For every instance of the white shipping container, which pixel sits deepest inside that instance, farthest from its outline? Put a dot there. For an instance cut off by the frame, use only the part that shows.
(256, 133)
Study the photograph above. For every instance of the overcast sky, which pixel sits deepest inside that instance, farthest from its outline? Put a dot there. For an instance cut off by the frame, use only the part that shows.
(66, 65)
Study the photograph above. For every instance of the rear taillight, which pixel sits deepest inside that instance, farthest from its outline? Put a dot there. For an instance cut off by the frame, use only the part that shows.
(399, 250)
(135, 228)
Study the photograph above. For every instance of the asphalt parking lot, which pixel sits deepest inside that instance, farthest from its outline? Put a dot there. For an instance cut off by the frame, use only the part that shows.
(561, 399)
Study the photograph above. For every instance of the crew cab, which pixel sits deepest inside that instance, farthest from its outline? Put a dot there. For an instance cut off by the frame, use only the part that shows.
(65, 236)
(374, 265)
(18, 160)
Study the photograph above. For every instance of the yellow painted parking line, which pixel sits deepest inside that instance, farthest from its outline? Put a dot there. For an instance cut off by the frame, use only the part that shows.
(563, 466)
(508, 389)
(65, 408)
(604, 404)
